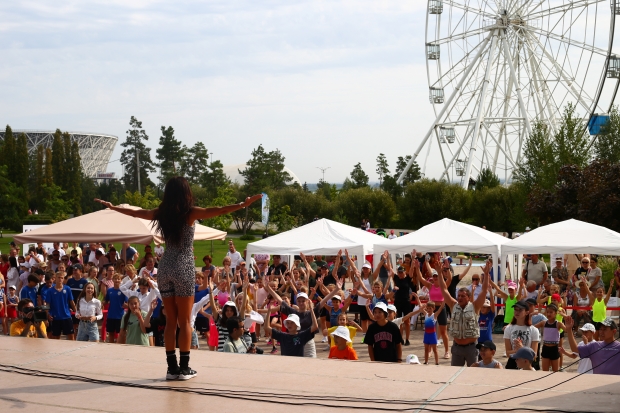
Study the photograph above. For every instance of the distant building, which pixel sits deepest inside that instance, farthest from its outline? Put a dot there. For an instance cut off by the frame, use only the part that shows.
(95, 148)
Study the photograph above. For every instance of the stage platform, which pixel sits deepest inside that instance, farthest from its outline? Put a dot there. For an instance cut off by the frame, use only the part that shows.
(230, 382)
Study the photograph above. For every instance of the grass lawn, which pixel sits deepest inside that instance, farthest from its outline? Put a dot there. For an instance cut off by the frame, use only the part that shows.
(201, 248)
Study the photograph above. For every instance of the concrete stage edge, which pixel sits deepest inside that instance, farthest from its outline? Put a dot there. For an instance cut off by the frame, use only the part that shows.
(269, 383)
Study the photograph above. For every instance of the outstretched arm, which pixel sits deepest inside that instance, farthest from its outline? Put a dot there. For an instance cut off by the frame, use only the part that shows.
(479, 302)
(461, 276)
(608, 296)
(136, 213)
(206, 213)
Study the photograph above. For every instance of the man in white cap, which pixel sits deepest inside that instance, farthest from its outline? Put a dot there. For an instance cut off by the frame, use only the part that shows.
(293, 342)
(585, 364)
(305, 319)
(383, 337)
(342, 350)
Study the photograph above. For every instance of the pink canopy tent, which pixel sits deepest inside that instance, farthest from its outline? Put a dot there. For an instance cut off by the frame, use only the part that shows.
(107, 226)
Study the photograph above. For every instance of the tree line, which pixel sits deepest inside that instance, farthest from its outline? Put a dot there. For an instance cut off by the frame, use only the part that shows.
(563, 175)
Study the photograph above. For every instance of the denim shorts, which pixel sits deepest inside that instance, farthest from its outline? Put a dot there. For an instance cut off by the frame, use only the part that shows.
(88, 331)
(195, 339)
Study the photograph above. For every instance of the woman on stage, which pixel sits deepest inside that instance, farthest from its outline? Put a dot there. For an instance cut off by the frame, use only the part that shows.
(174, 219)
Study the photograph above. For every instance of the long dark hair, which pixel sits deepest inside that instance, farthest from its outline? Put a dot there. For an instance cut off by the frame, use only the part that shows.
(83, 294)
(171, 215)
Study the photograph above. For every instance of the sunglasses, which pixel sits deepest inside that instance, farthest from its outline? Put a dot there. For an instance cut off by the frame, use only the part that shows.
(475, 279)
(585, 262)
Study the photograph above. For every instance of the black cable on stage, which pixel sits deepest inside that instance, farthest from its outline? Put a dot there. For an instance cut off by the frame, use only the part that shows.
(533, 380)
(318, 400)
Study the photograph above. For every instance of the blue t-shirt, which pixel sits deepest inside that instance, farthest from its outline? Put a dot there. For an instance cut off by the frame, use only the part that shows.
(29, 292)
(130, 252)
(486, 326)
(59, 302)
(116, 299)
(43, 290)
(76, 286)
(199, 295)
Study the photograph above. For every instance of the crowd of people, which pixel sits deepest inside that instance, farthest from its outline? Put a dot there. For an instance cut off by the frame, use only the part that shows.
(92, 293)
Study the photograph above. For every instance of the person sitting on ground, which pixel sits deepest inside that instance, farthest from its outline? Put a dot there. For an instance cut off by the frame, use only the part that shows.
(487, 352)
(26, 326)
(342, 347)
(350, 325)
(234, 342)
(587, 336)
(523, 358)
(292, 342)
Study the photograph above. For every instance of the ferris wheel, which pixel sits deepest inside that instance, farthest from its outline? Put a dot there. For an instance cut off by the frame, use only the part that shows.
(495, 67)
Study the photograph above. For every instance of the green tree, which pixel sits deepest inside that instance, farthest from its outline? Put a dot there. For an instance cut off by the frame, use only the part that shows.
(607, 144)
(413, 174)
(147, 200)
(329, 191)
(500, 209)
(359, 179)
(571, 141)
(427, 201)
(283, 219)
(225, 196)
(214, 178)
(135, 149)
(382, 168)
(54, 203)
(486, 180)
(264, 171)
(537, 166)
(49, 173)
(304, 205)
(76, 178)
(9, 147)
(366, 202)
(39, 173)
(22, 165)
(169, 154)
(59, 161)
(13, 205)
(194, 162)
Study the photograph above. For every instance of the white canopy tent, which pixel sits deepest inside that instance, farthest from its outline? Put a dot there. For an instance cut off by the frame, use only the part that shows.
(448, 235)
(321, 237)
(107, 226)
(567, 237)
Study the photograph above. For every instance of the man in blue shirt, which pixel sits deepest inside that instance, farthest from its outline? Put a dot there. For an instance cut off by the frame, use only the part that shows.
(60, 301)
(76, 285)
(30, 290)
(116, 300)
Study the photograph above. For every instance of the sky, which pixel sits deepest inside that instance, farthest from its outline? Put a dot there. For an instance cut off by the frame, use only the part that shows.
(328, 83)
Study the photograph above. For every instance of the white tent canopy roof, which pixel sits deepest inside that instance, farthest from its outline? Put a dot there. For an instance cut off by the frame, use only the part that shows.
(567, 237)
(321, 237)
(446, 235)
(107, 226)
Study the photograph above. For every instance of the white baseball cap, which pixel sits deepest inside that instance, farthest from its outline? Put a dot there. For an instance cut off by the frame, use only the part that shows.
(251, 318)
(391, 307)
(294, 318)
(337, 297)
(487, 303)
(588, 327)
(342, 332)
(366, 265)
(412, 359)
(302, 295)
(381, 305)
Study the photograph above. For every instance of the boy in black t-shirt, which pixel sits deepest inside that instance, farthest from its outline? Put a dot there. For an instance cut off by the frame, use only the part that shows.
(383, 337)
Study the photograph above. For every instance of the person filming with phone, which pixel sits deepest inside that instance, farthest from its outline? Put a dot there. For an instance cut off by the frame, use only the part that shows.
(29, 323)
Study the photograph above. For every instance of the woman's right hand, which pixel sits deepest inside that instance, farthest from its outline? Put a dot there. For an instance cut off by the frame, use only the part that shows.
(104, 203)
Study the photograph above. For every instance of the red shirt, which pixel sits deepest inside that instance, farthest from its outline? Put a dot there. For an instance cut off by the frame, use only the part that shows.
(347, 354)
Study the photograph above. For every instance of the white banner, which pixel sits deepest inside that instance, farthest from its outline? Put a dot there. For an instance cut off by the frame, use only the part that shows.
(265, 208)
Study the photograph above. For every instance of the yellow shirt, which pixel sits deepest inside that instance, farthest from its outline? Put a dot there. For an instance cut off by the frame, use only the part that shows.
(17, 327)
(352, 333)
